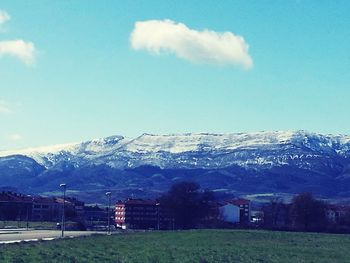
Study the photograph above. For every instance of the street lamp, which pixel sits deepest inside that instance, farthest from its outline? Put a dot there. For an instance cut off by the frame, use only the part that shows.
(157, 205)
(109, 204)
(64, 186)
(30, 204)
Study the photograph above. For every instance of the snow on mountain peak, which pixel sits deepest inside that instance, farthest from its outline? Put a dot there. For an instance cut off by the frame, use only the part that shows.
(178, 143)
(147, 148)
(103, 144)
(40, 150)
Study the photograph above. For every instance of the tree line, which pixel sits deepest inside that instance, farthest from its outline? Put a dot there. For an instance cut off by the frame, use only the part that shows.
(305, 213)
(192, 207)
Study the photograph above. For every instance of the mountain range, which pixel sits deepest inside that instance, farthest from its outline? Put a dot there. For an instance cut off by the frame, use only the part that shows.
(249, 164)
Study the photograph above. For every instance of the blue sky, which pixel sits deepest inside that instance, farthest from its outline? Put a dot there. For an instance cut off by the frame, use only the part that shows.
(76, 74)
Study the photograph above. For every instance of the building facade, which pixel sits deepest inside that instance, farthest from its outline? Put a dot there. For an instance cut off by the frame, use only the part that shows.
(21, 207)
(244, 209)
(141, 214)
(45, 209)
(229, 213)
(15, 206)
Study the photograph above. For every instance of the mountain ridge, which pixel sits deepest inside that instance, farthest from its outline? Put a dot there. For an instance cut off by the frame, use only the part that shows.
(72, 147)
(249, 163)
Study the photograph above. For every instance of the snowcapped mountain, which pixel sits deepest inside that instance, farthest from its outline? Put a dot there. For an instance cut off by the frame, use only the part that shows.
(246, 162)
(192, 150)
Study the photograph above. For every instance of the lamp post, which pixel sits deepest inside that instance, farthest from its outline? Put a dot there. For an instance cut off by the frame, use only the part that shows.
(27, 219)
(109, 218)
(157, 205)
(30, 204)
(64, 186)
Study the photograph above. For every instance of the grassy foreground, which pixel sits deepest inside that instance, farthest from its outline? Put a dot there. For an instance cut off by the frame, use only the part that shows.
(187, 246)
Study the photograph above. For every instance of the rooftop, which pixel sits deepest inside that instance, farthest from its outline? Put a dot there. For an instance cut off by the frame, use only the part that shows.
(239, 201)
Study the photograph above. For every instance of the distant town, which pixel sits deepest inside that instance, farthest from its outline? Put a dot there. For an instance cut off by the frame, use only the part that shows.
(184, 206)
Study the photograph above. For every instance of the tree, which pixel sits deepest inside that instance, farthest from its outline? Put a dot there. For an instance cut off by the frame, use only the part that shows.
(308, 213)
(187, 204)
(344, 219)
(275, 213)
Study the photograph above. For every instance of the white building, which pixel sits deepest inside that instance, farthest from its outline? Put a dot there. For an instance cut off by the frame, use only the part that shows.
(230, 213)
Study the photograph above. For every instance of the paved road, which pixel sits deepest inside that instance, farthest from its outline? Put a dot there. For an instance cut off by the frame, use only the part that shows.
(10, 236)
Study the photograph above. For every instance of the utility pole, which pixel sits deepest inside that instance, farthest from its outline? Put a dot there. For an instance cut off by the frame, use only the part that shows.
(108, 194)
(64, 186)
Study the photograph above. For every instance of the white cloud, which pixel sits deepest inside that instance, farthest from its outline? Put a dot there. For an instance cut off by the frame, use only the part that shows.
(4, 107)
(14, 137)
(4, 17)
(25, 51)
(205, 46)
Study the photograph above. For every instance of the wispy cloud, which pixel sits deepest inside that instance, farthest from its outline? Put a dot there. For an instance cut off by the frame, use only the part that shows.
(14, 137)
(4, 17)
(25, 51)
(205, 46)
(4, 107)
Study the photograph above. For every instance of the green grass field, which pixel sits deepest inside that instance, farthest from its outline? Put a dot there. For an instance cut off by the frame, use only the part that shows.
(187, 246)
